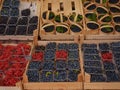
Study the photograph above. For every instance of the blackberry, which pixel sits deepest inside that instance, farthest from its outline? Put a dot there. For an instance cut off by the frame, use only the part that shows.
(23, 21)
(33, 20)
(6, 3)
(3, 19)
(116, 19)
(11, 30)
(31, 28)
(13, 20)
(117, 28)
(92, 26)
(113, 1)
(40, 48)
(21, 30)
(2, 29)
(75, 28)
(91, 7)
(101, 10)
(26, 12)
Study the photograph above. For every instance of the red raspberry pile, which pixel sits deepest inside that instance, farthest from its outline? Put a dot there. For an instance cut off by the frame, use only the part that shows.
(61, 54)
(12, 63)
(106, 56)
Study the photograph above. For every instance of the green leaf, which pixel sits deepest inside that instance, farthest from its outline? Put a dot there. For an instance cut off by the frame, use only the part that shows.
(47, 74)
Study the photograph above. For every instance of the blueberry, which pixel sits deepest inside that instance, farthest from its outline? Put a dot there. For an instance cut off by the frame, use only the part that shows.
(91, 51)
(116, 55)
(15, 3)
(90, 46)
(61, 65)
(91, 7)
(31, 28)
(34, 65)
(51, 45)
(97, 78)
(13, 20)
(62, 46)
(3, 19)
(73, 55)
(92, 58)
(73, 65)
(47, 76)
(5, 11)
(115, 49)
(60, 76)
(14, 12)
(11, 30)
(73, 46)
(33, 75)
(21, 30)
(34, 20)
(115, 44)
(109, 66)
(112, 76)
(73, 75)
(6, 3)
(93, 70)
(104, 46)
(23, 21)
(49, 55)
(117, 61)
(48, 65)
(92, 64)
(26, 12)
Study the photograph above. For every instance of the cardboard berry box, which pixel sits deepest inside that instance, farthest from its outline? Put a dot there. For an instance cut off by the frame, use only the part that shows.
(100, 64)
(40, 83)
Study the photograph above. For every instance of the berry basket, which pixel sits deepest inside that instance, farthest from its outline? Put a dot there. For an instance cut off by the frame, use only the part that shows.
(101, 64)
(13, 60)
(50, 72)
(58, 22)
(99, 19)
(19, 19)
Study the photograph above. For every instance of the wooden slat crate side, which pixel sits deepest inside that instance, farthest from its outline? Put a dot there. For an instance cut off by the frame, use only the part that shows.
(88, 85)
(52, 85)
(55, 7)
(17, 87)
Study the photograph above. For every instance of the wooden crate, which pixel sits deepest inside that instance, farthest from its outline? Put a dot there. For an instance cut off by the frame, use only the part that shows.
(55, 7)
(52, 85)
(88, 85)
(19, 85)
(35, 11)
(96, 35)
